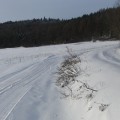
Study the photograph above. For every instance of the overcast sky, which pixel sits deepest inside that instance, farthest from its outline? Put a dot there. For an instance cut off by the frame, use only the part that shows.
(66, 9)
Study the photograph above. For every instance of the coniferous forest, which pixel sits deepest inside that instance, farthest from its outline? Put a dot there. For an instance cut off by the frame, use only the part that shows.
(102, 25)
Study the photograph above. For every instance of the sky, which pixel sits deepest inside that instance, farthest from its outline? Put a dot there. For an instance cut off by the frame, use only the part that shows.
(12, 10)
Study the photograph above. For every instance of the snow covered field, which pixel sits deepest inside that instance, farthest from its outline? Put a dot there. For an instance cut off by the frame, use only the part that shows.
(28, 90)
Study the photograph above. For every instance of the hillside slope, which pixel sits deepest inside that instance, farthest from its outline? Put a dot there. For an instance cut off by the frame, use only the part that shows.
(103, 25)
(28, 90)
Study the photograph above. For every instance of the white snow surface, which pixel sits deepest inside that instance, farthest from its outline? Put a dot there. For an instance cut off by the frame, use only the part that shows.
(28, 90)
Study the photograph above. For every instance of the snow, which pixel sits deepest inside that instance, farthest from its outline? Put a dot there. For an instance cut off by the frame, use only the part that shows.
(28, 90)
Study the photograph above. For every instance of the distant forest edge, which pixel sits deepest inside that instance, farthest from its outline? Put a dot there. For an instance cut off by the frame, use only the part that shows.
(102, 25)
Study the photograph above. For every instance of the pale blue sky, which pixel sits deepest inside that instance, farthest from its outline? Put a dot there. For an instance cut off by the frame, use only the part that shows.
(66, 9)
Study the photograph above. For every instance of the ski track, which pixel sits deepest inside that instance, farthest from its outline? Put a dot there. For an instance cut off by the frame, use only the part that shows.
(17, 84)
(14, 86)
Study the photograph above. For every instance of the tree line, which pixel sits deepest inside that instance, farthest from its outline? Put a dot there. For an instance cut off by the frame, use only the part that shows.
(102, 25)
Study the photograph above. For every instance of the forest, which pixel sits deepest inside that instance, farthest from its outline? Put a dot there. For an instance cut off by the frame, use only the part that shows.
(102, 25)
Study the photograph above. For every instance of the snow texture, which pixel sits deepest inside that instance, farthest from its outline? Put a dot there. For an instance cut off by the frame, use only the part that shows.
(28, 90)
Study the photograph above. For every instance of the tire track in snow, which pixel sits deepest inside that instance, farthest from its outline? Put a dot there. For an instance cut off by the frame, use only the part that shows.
(108, 56)
(13, 89)
(4, 85)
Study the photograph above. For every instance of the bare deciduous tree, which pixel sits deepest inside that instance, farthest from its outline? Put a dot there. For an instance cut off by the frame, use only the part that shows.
(117, 3)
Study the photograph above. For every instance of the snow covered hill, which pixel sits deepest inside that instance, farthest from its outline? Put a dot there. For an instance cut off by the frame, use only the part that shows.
(28, 90)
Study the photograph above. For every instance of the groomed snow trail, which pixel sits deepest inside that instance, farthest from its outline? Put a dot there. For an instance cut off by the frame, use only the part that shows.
(15, 86)
(28, 91)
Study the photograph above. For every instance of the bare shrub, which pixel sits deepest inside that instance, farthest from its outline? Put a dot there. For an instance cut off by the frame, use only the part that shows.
(67, 73)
